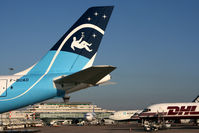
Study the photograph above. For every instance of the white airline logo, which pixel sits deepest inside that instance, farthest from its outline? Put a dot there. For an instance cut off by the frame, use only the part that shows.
(80, 44)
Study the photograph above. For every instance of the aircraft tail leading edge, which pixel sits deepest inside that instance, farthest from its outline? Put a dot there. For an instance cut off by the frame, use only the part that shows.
(196, 100)
(78, 47)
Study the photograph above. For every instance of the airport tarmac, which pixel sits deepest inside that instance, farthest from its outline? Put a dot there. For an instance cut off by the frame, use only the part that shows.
(124, 128)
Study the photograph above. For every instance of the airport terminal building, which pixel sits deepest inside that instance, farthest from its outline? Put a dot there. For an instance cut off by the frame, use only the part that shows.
(67, 111)
(48, 112)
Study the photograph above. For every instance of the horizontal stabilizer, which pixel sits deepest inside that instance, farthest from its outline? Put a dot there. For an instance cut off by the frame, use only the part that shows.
(89, 76)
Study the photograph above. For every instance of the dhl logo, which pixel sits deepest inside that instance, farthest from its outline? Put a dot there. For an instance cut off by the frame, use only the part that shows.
(183, 110)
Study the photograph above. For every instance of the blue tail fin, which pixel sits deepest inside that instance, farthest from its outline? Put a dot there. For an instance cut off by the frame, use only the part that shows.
(77, 48)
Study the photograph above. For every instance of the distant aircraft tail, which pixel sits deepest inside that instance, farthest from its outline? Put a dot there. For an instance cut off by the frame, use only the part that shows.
(77, 48)
(196, 100)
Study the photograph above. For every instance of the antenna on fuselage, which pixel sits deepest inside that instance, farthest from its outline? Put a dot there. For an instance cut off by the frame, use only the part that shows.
(11, 70)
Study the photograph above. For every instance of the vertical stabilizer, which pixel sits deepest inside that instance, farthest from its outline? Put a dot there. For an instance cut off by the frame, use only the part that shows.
(78, 47)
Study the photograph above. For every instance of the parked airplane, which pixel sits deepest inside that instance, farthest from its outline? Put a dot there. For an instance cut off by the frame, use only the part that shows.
(161, 115)
(124, 115)
(90, 116)
(66, 68)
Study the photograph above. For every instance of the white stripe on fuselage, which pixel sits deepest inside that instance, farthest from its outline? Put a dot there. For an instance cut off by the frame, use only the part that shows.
(90, 63)
(57, 52)
(25, 71)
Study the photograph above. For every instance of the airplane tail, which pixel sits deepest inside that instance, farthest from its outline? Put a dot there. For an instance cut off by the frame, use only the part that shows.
(196, 100)
(77, 48)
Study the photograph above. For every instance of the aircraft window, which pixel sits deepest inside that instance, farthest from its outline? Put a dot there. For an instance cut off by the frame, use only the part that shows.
(146, 110)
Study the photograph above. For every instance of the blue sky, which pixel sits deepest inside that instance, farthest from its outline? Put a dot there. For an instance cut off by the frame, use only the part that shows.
(154, 45)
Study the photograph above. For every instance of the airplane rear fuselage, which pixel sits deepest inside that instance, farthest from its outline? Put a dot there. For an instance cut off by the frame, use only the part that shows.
(20, 91)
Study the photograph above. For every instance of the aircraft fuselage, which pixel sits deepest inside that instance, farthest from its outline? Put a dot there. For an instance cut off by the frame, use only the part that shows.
(20, 91)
